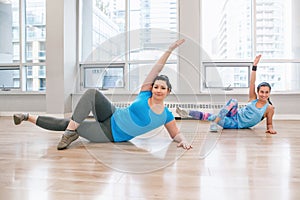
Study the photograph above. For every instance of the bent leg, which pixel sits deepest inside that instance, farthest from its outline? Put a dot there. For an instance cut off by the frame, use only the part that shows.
(227, 115)
(95, 101)
(229, 110)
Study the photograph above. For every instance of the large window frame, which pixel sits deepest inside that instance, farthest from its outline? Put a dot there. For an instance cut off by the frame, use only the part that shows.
(126, 60)
(102, 75)
(278, 62)
(24, 52)
(214, 73)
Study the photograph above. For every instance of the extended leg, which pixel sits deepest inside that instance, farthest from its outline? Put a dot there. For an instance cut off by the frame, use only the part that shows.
(195, 114)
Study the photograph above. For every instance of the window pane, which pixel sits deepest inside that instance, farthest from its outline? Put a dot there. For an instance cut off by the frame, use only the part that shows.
(9, 78)
(227, 32)
(152, 28)
(111, 33)
(35, 78)
(101, 21)
(227, 75)
(156, 21)
(9, 34)
(273, 28)
(35, 31)
(138, 73)
(283, 77)
(103, 77)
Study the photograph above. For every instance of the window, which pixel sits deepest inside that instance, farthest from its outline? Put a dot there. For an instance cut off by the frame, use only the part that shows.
(226, 75)
(12, 50)
(103, 76)
(9, 77)
(241, 29)
(10, 31)
(133, 32)
(34, 77)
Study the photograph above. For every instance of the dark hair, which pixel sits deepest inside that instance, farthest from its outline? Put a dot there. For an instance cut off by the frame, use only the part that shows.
(163, 78)
(264, 84)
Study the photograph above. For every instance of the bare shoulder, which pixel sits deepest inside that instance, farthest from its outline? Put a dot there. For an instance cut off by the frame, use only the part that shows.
(270, 109)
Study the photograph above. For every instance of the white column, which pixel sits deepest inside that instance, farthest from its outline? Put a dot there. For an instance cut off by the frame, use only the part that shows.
(61, 70)
(295, 42)
(189, 62)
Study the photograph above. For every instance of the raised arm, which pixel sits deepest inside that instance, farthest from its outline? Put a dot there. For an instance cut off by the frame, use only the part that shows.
(159, 65)
(252, 92)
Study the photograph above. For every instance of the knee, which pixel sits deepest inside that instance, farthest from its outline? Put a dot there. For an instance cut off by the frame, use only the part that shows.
(90, 92)
(235, 101)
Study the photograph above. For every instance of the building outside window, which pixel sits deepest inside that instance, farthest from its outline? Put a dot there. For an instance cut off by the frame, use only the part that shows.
(20, 47)
(133, 32)
(241, 29)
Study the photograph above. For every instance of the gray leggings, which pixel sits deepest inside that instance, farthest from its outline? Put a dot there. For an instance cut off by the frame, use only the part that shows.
(97, 130)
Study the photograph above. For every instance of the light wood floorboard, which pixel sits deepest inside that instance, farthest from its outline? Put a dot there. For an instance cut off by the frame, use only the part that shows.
(231, 164)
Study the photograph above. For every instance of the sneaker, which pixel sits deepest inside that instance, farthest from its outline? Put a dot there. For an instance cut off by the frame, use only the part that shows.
(67, 138)
(213, 127)
(19, 117)
(182, 112)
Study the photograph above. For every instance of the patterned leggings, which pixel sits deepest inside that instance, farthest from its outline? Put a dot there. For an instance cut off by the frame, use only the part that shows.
(228, 114)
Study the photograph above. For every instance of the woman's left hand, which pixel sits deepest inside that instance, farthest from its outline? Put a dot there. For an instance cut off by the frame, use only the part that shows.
(185, 145)
(176, 44)
(256, 60)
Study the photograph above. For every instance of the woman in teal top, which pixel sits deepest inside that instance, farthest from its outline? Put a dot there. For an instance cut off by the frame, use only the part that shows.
(258, 108)
(138, 118)
(114, 124)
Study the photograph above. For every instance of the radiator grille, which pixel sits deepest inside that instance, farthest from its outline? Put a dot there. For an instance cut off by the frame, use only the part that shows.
(183, 105)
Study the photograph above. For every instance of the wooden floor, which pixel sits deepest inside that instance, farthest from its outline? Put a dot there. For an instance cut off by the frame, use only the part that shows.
(234, 164)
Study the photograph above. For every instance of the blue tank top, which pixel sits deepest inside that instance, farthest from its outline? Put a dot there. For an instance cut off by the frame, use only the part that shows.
(250, 115)
(138, 118)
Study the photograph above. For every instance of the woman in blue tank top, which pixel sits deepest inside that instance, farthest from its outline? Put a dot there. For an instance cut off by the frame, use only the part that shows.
(113, 124)
(258, 108)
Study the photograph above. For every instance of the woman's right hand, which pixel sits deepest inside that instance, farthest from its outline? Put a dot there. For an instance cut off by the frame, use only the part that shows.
(185, 145)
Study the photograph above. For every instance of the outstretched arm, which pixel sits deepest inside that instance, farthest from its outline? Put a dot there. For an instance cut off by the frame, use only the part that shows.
(252, 93)
(157, 68)
(177, 136)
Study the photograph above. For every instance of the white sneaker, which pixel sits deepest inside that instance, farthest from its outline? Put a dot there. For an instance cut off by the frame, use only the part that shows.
(213, 127)
(182, 112)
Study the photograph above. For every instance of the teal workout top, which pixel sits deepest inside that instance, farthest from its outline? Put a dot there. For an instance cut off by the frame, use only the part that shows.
(138, 118)
(250, 115)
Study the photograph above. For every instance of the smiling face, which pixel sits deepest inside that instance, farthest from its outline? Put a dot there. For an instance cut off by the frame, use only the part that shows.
(263, 93)
(160, 90)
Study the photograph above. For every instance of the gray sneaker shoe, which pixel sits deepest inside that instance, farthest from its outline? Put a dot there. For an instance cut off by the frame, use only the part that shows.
(182, 112)
(19, 117)
(213, 127)
(67, 138)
